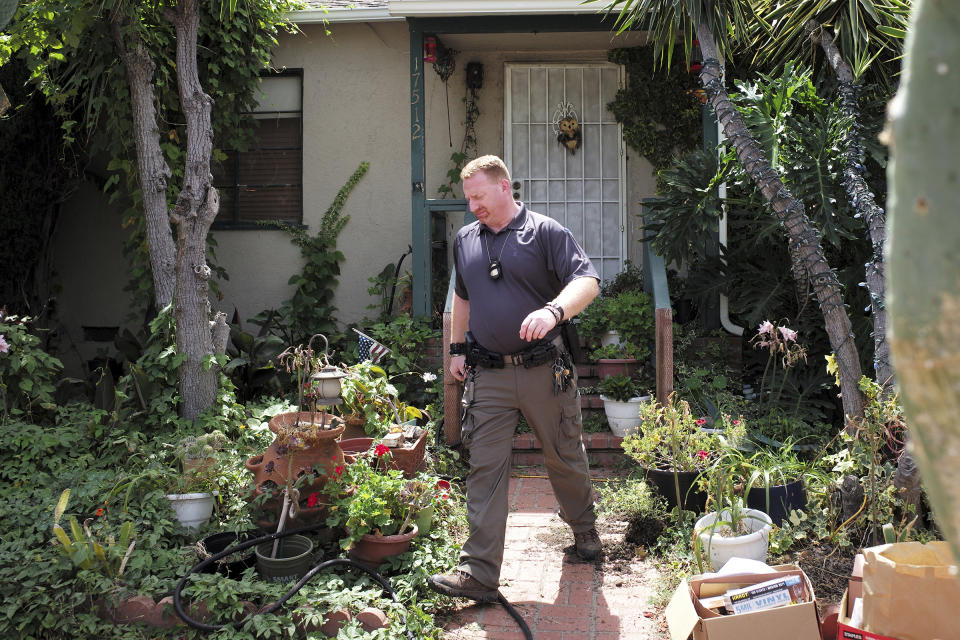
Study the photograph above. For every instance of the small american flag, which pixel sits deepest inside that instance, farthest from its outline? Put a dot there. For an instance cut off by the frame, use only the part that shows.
(370, 349)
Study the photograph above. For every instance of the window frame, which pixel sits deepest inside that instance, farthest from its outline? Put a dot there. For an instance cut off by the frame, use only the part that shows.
(234, 222)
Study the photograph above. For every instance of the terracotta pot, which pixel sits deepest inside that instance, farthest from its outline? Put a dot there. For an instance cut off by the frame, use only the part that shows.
(371, 551)
(406, 459)
(607, 367)
(354, 428)
(270, 469)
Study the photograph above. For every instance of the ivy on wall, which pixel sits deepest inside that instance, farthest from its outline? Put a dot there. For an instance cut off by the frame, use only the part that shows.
(661, 116)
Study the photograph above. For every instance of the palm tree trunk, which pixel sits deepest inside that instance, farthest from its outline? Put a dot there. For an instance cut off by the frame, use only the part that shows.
(803, 239)
(864, 202)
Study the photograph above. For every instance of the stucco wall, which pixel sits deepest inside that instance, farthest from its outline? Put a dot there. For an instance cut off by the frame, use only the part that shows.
(355, 102)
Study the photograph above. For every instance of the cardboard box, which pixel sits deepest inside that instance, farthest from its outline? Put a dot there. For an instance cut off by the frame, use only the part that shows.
(855, 583)
(845, 631)
(685, 615)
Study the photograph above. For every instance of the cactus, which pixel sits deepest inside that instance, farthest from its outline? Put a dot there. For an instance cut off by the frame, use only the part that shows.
(924, 267)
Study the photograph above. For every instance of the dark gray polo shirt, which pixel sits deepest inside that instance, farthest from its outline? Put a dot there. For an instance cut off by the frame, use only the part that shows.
(539, 258)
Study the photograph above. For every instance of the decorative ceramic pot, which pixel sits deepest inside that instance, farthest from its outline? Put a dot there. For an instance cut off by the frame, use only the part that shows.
(720, 546)
(408, 459)
(778, 500)
(192, 509)
(270, 469)
(371, 551)
(671, 483)
(624, 417)
(610, 337)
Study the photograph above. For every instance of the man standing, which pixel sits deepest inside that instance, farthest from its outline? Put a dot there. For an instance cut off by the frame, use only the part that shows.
(519, 274)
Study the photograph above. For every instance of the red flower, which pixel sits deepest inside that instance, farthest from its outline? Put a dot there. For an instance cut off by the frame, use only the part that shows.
(313, 499)
(701, 422)
(381, 450)
(445, 496)
(99, 512)
(703, 455)
(338, 470)
(443, 485)
(736, 423)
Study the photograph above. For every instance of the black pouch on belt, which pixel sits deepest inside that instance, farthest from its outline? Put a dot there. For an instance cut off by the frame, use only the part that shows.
(571, 340)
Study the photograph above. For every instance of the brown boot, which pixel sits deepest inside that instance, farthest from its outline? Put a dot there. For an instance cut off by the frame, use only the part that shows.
(588, 543)
(461, 584)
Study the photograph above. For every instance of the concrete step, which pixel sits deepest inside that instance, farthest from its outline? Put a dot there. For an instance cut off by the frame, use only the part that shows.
(602, 448)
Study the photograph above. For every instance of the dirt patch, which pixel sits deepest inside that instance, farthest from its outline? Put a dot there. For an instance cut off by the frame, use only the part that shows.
(828, 568)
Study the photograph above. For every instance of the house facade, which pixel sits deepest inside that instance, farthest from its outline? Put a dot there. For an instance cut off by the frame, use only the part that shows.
(530, 76)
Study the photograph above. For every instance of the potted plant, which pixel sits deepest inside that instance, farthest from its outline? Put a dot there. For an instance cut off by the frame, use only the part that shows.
(375, 507)
(367, 397)
(192, 492)
(628, 313)
(731, 529)
(774, 480)
(305, 445)
(621, 403)
(673, 449)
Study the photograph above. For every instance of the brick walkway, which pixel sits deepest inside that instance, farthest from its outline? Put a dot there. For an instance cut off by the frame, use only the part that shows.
(560, 596)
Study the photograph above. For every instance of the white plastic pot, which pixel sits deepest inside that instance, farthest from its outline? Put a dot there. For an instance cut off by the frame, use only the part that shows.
(192, 509)
(716, 543)
(624, 417)
(610, 337)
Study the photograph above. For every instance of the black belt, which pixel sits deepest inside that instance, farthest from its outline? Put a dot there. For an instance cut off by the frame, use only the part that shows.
(539, 354)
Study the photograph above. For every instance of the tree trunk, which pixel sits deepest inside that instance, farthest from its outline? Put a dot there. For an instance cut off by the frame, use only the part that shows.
(196, 207)
(922, 252)
(864, 202)
(152, 170)
(803, 239)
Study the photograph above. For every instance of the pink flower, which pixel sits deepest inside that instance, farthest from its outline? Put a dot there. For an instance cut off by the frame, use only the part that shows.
(4, 345)
(736, 423)
(789, 335)
(701, 422)
(313, 499)
(765, 328)
(381, 450)
(703, 455)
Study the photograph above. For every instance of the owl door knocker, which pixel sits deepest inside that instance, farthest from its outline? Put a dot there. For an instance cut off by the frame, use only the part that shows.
(567, 127)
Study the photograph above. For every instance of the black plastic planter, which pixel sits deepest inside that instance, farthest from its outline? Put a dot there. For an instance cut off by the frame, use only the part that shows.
(218, 542)
(668, 487)
(778, 500)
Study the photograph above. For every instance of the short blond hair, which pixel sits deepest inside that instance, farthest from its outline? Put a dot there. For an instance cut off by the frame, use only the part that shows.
(491, 165)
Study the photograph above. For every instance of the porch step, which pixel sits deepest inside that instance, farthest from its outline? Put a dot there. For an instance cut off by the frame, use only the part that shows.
(602, 449)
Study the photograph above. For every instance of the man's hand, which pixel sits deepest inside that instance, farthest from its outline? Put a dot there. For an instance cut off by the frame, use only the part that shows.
(538, 324)
(458, 367)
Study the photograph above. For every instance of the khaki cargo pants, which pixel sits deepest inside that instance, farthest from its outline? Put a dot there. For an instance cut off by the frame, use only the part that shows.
(493, 400)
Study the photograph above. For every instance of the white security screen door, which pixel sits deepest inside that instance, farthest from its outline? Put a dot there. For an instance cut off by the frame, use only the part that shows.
(582, 189)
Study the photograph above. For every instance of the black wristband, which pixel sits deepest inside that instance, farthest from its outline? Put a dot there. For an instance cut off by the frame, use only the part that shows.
(556, 309)
(458, 348)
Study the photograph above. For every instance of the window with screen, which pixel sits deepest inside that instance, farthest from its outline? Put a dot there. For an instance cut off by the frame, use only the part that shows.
(265, 182)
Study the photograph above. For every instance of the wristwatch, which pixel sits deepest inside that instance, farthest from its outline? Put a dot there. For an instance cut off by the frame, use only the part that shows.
(458, 348)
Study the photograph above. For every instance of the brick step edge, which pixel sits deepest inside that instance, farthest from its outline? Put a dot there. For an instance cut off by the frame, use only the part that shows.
(592, 441)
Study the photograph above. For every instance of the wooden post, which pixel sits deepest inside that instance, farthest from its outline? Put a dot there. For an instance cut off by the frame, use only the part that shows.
(451, 389)
(664, 353)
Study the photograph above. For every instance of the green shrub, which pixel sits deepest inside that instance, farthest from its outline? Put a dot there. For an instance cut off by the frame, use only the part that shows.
(28, 374)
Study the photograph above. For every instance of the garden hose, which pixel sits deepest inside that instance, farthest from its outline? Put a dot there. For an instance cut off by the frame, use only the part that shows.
(202, 626)
(346, 562)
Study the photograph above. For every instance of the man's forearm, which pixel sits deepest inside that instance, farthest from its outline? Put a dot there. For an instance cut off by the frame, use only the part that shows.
(577, 295)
